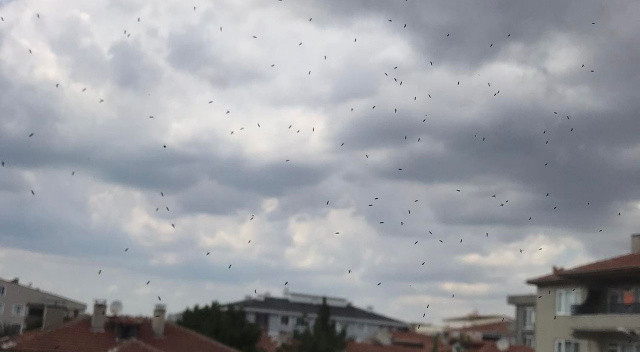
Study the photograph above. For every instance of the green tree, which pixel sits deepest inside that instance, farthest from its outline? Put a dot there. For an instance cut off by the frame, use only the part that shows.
(322, 338)
(226, 325)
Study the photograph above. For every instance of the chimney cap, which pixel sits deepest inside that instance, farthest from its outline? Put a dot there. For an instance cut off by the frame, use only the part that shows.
(635, 243)
(100, 302)
(160, 306)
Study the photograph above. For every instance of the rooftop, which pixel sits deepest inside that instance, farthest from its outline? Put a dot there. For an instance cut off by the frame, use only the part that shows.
(503, 327)
(472, 317)
(624, 264)
(285, 305)
(401, 341)
(493, 347)
(77, 335)
(29, 287)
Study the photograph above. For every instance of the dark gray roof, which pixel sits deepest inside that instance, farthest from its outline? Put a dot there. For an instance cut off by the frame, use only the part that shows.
(283, 304)
(521, 299)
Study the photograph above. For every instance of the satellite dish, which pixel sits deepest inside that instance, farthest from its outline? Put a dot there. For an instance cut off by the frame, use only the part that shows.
(502, 344)
(116, 307)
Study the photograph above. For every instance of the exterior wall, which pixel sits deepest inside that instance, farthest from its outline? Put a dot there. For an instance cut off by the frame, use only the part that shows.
(358, 330)
(15, 294)
(521, 330)
(548, 329)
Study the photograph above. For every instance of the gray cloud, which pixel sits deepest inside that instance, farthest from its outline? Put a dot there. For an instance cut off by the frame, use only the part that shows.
(177, 61)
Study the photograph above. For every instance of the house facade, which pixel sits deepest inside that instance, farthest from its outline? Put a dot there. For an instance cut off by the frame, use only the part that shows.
(280, 317)
(24, 307)
(590, 308)
(525, 319)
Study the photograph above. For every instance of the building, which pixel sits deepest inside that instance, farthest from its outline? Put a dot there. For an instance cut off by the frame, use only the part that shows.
(593, 307)
(473, 318)
(525, 319)
(25, 307)
(280, 317)
(476, 328)
(427, 328)
(102, 333)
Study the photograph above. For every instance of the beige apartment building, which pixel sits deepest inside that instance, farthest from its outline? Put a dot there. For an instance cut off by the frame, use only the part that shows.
(590, 308)
(525, 319)
(23, 307)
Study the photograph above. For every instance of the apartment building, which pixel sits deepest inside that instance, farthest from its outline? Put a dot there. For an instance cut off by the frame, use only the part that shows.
(590, 308)
(25, 307)
(525, 319)
(280, 317)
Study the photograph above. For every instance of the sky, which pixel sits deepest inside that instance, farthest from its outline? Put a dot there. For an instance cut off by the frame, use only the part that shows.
(396, 153)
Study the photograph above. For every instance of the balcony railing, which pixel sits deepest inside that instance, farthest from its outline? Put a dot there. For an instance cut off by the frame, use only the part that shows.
(611, 308)
(621, 308)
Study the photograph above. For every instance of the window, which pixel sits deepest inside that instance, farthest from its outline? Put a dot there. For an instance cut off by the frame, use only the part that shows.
(299, 321)
(529, 317)
(628, 296)
(1, 290)
(18, 310)
(622, 347)
(566, 346)
(284, 320)
(529, 341)
(566, 298)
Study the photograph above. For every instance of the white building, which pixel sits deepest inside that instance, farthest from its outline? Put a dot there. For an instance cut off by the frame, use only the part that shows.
(280, 317)
(23, 307)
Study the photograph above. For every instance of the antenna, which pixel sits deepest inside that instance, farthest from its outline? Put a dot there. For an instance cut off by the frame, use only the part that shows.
(115, 307)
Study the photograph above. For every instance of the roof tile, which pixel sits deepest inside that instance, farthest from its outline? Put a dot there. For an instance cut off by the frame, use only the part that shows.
(77, 336)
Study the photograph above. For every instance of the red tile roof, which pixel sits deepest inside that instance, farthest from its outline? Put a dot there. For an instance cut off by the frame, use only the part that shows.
(501, 327)
(371, 347)
(77, 336)
(492, 347)
(267, 344)
(404, 338)
(620, 263)
(520, 348)
(402, 341)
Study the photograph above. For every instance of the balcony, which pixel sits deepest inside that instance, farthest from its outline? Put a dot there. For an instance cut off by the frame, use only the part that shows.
(611, 308)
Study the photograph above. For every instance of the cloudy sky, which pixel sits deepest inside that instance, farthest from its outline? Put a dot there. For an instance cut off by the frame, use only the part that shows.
(407, 117)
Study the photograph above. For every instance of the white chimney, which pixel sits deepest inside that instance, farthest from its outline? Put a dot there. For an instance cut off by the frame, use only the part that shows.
(158, 320)
(99, 317)
(635, 243)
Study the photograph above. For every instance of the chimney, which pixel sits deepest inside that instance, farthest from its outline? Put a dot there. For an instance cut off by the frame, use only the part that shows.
(157, 322)
(557, 270)
(99, 317)
(53, 315)
(635, 243)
